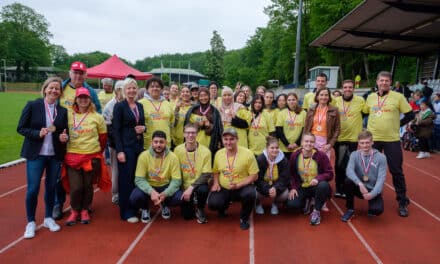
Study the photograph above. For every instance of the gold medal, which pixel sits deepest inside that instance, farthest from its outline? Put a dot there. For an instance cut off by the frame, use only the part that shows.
(74, 135)
(270, 183)
(52, 128)
(365, 178)
(255, 133)
(379, 113)
(318, 128)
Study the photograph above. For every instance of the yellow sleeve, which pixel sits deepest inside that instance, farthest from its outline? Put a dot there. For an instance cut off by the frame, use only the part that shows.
(404, 106)
(253, 166)
(102, 128)
(244, 114)
(270, 125)
(366, 108)
(215, 166)
(142, 165)
(207, 162)
(175, 167)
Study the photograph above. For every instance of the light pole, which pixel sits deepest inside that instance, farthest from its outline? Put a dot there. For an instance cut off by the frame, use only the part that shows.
(298, 45)
(4, 73)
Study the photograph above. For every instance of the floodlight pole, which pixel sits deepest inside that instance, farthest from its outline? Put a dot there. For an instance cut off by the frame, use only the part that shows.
(298, 45)
(4, 73)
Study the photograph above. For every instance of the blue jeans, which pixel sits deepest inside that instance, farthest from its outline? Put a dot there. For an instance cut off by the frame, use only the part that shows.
(34, 172)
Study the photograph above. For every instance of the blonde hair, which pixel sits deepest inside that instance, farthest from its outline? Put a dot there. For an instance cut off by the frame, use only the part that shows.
(51, 80)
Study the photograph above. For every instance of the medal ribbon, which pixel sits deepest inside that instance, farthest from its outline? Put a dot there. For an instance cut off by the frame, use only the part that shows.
(306, 166)
(290, 117)
(155, 107)
(51, 117)
(229, 165)
(345, 109)
(192, 164)
(379, 103)
(321, 116)
(256, 119)
(75, 126)
(206, 111)
(366, 169)
(271, 166)
(158, 170)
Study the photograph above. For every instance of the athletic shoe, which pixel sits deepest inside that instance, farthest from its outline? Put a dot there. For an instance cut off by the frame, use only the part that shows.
(403, 210)
(421, 155)
(325, 208)
(132, 220)
(274, 209)
(166, 213)
(51, 225)
(115, 198)
(145, 216)
(315, 218)
(85, 218)
(57, 213)
(340, 195)
(201, 217)
(307, 206)
(30, 230)
(71, 220)
(244, 224)
(259, 209)
(348, 215)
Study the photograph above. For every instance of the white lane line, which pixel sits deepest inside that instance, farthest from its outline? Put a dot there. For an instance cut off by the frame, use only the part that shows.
(422, 171)
(18, 240)
(12, 191)
(251, 240)
(418, 205)
(359, 236)
(11, 163)
(138, 238)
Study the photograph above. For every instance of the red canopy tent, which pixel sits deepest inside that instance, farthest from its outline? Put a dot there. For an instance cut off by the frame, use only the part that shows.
(114, 68)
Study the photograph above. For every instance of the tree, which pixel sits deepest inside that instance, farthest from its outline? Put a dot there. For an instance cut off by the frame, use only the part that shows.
(27, 37)
(59, 56)
(214, 65)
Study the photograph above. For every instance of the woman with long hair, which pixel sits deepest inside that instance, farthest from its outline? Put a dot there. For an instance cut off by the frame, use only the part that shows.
(43, 123)
(261, 126)
(269, 106)
(290, 125)
(180, 109)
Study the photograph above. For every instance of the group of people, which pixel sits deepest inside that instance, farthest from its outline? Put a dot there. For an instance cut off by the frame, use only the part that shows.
(189, 147)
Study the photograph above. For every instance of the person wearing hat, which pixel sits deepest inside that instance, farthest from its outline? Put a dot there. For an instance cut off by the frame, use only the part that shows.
(77, 75)
(195, 94)
(158, 178)
(235, 169)
(106, 95)
(42, 123)
(84, 161)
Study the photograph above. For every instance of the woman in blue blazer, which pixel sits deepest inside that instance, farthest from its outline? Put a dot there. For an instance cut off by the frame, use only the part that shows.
(43, 123)
(128, 129)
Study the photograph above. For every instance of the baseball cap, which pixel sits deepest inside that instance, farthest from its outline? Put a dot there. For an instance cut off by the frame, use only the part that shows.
(82, 91)
(230, 131)
(77, 65)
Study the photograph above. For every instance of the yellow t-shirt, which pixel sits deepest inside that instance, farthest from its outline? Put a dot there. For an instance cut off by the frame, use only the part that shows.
(384, 115)
(84, 136)
(307, 175)
(202, 138)
(272, 115)
(158, 116)
(217, 102)
(104, 98)
(292, 124)
(242, 113)
(177, 130)
(258, 131)
(193, 164)
(351, 118)
(157, 170)
(244, 165)
(68, 97)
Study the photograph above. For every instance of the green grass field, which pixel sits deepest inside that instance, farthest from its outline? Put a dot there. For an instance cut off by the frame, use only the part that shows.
(11, 105)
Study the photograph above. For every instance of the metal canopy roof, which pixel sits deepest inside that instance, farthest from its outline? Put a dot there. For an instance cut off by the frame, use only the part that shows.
(395, 27)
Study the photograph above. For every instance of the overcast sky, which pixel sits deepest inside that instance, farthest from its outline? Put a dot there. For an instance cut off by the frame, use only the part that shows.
(135, 29)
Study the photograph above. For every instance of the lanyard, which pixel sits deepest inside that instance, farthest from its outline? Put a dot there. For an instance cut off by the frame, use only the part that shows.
(230, 168)
(271, 167)
(321, 116)
(158, 170)
(155, 107)
(366, 169)
(206, 111)
(306, 166)
(192, 164)
(345, 109)
(292, 120)
(51, 117)
(255, 126)
(75, 126)
(379, 103)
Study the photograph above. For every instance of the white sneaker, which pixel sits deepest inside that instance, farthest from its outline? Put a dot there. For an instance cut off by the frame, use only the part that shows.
(420, 155)
(145, 216)
(133, 220)
(115, 198)
(427, 155)
(259, 209)
(30, 230)
(51, 224)
(166, 212)
(274, 209)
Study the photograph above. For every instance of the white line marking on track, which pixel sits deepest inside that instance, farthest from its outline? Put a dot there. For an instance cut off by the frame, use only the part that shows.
(18, 240)
(422, 171)
(251, 241)
(12, 191)
(358, 235)
(418, 205)
(137, 239)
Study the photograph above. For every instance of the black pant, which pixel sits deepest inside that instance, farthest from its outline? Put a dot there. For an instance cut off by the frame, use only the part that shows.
(201, 194)
(320, 192)
(375, 205)
(423, 144)
(220, 200)
(393, 153)
(343, 150)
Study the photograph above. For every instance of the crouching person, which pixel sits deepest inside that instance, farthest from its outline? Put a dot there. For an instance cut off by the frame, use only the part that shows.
(311, 172)
(195, 165)
(235, 169)
(157, 179)
(366, 172)
(273, 177)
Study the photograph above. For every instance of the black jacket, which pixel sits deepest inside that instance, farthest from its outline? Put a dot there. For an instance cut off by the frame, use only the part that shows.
(33, 118)
(123, 124)
(283, 176)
